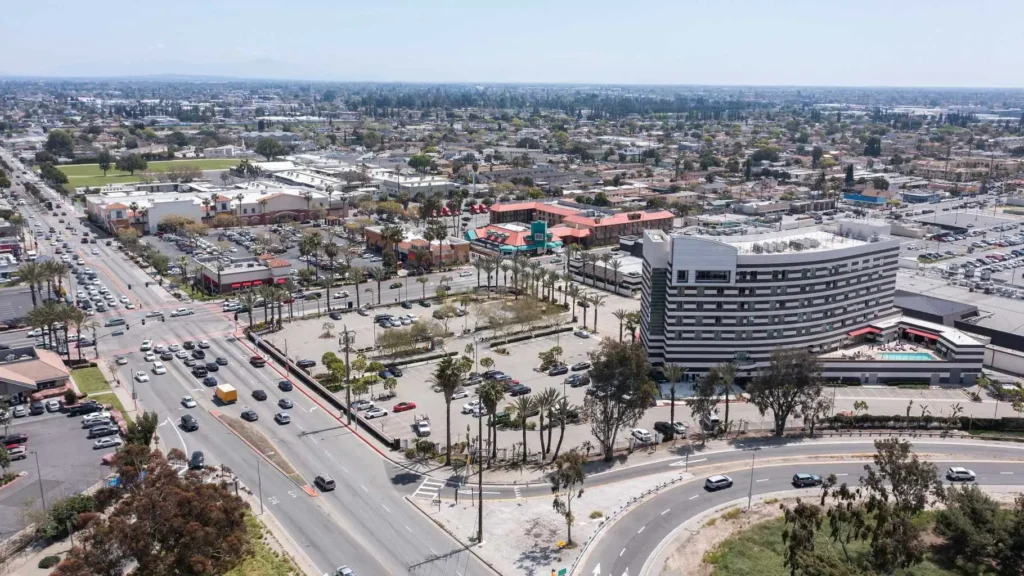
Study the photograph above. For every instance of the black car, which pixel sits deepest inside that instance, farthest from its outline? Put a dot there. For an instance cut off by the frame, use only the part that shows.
(395, 370)
(167, 356)
(197, 461)
(491, 374)
(425, 303)
(198, 354)
(407, 305)
(285, 386)
(222, 361)
(578, 380)
(210, 381)
(259, 394)
(802, 480)
(306, 363)
(519, 390)
(335, 315)
(189, 423)
(666, 429)
(188, 345)
(580, 366)
(200, 372)
(17, 438)
(212, 367)
(84, 408)
(558, 370)
(250, 415)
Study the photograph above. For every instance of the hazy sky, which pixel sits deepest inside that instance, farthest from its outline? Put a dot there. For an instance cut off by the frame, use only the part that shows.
(788, 42)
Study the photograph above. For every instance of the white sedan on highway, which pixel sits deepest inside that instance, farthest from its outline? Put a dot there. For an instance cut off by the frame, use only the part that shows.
(188, 402)
(159, 368)
(141, 376)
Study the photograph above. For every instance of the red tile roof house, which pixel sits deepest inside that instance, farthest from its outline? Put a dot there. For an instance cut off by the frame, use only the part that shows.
(572, 225)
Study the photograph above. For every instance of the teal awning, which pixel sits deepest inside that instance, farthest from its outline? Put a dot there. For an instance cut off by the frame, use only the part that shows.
(508, 248)
(471, 235)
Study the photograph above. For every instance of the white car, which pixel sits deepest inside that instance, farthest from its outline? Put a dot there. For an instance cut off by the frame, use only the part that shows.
(465, 274)
(582, 334)
(174, 347)
(149, 357)
(36, 332)
(188, 402)
(460, 393)
(471, 406)
(142, 376)
(181, 354)
(181, 312)
(958, 473)
(159, 368)
(121, 360)
(147, 345)
(108, 442)
(642, 436)
(375, 413)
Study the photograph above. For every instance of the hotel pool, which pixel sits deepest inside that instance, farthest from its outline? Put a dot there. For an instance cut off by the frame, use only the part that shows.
(905, 356)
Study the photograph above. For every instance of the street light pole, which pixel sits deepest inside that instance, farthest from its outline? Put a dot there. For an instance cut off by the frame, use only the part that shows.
(39, 473)
(480, 478)
(259, 478)
(348, 375)
(750, 492)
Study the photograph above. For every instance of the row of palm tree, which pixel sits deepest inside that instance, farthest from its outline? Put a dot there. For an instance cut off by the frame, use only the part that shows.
(450, 375)
(50, 274)
(576, 251)
(53, 317)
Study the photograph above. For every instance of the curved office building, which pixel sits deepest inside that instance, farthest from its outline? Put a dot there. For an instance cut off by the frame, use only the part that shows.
(713, 299)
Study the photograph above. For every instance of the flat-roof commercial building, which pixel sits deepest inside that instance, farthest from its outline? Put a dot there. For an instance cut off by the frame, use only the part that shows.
(29, 372)
(587, 227)
(830, 290)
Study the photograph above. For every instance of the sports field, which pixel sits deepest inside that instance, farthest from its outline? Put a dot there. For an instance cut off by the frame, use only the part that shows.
(90, 174)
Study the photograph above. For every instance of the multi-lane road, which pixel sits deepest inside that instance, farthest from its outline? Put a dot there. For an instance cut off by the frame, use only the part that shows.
(365, 523)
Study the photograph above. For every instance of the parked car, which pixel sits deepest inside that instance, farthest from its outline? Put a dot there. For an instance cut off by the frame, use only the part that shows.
(580, 366)
(519, 390)
(665, 429)
(107, 442)
(558, 370)
(375, 413)
(641, 435)
(306, 363)
(403, 406)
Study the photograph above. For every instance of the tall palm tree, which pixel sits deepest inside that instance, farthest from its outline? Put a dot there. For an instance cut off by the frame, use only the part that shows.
(74, 317)
(553, 278)
(726, 378)
(331, 251)
(422, 280)
(566, 284)
(518, 267)
(248, 299)
(357, 277)
(620, 315)
(488, 265)
(183, 266)
(491, 393)
(522, 407)
(31, 273)
(572, 251)
(265, 293)
(574, 292)
(206, 204)
(616, 268)
(674, 375)
(597, 301)
(478, 264)
(584, 301)
(505, 266)
(377, 274)
(584, 258)
(561, 413)
(263, 208)
(448, 376)
(604, 259)
(632, 321)
(545, 402)
(239, 197)
(535, 270)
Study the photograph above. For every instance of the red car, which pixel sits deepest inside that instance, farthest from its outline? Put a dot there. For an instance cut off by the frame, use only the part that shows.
(257, 361)
(403, 406)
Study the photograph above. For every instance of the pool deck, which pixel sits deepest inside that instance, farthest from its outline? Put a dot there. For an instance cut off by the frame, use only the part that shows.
(869, 351)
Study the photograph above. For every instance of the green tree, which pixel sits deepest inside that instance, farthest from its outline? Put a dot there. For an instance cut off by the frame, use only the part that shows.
(620, 391)
(105, 161)
(142, 429)
(419, 162)
(970, 524)
(567, 485)
(60, 143)
(802, 524)
(269, 148)
(449, 376)
(131, 163)
(703, 403)
(723, 378)
(5, 459)
(790, 383)
(849, 176)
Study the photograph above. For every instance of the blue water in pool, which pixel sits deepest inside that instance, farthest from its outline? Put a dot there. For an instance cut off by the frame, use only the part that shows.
(915, 356)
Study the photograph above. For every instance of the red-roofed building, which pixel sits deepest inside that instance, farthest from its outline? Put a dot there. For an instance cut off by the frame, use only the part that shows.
(573, 225)
(548, 213)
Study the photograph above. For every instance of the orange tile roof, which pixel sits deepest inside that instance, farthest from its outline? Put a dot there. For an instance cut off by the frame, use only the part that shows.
(116, 206)
(538, 206)
(622, 218)
(278, 263)
(512, 238)
(562, 232)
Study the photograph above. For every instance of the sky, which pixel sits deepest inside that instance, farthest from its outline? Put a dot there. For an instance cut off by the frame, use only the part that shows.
(944, 43)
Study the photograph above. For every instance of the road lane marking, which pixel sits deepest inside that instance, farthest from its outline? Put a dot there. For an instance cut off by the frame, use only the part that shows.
(641, 529)
(386, 508)
(409, 529)
(665, 512)
(694, 496)
(1007, 473)
(763, 480)
(842, 474)
(621, 553)
(364, 488)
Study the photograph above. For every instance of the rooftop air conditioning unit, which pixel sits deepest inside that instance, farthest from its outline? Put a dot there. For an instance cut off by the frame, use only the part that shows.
(757, 248)
(769, 247)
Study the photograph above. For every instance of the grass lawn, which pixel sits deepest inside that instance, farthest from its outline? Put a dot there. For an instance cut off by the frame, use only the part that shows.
(92, 382)
(759, 551)
(264, 561)
(90, 174)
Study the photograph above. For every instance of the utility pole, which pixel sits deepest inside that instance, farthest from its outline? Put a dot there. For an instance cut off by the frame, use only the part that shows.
(42, 494)
(259, 478)
(480, 479)
(750, 492)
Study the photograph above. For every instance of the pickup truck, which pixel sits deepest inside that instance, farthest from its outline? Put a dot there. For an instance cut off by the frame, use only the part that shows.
(423, 427)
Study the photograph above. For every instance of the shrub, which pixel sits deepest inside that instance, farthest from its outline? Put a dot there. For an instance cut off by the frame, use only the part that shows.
(732, 514)
(49, 562)
(712, 556)
(711, 522)
(596, 514)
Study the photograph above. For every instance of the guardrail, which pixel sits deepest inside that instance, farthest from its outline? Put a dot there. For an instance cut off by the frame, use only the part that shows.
(327, 395)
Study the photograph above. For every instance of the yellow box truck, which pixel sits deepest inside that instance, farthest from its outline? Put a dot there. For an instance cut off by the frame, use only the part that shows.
(226, 393)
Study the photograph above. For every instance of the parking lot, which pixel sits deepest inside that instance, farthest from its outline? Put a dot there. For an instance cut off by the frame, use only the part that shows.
(66, 460)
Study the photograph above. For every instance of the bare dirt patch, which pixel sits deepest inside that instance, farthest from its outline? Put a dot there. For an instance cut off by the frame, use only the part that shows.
(263, 445)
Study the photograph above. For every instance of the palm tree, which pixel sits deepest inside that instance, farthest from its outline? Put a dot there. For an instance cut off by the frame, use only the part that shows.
(330, 252)
(491, 393)
(616, 267)
(561, 412)
(522, 407)
(597, 300)
(574, 292)
(572, 251)
(620, 314)
(545, 402)
(448, 376)
(206, 204)
(308, 195)
(603, 259)
(377, 274)
(33, 274)
(535, 270)
(357, 277)
(82, 323)
(265, 293)
(239, 197)
(505, 266)
(632, 321)
(183, 265)
(553, 278)
(674, 374)
(726, 377)
(248, 299)
(263, 207)
(74, 317)
(584, 258)
(488, 265)
(584, 301)
(422, 280)
(566, 284)
(518, 267)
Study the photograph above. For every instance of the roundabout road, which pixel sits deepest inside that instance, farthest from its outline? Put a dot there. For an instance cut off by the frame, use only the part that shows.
(624, 547)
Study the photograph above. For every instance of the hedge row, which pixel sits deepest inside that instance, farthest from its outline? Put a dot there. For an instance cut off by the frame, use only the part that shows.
(871, 421)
